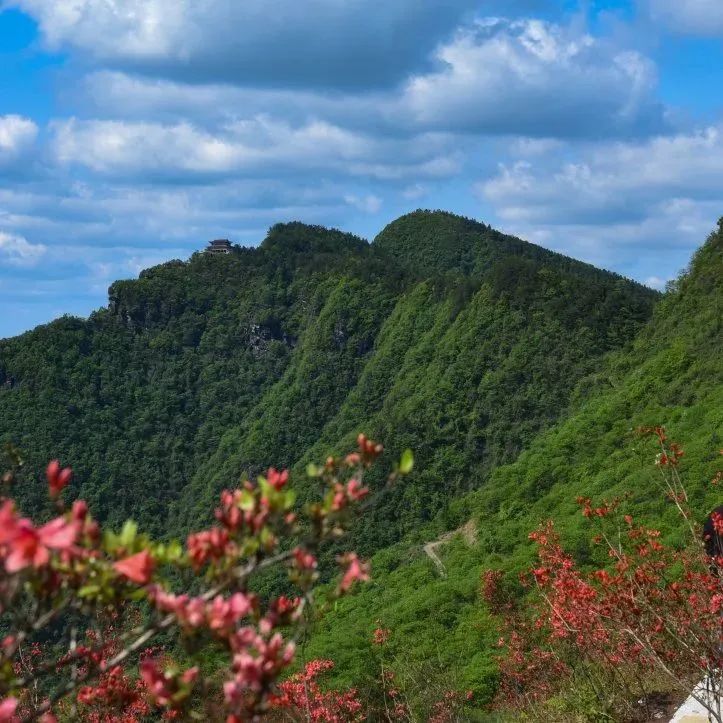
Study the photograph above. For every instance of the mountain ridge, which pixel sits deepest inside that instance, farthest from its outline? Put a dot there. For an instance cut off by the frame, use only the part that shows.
(670, 375)
(516, 380)
(200, 370)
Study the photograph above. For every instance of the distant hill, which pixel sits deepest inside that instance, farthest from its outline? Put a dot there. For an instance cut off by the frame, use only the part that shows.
(443, 335)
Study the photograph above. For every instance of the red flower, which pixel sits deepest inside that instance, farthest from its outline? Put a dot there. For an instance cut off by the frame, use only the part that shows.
(355, 491)
(304, 560)
(58, 478)
(138, 568)
(355, 570)
(7, 709)
(31, 546)
(224, 614)
(277, 479)
(8, 522)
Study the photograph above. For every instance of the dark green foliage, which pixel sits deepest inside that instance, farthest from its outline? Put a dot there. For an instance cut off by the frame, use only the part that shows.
(514, 373)
(672, 375)
(443, 335)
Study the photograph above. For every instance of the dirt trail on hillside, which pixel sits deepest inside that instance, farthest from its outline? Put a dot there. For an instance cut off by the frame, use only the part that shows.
(469, 535)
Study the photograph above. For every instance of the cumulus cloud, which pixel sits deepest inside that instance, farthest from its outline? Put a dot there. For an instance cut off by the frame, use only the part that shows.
(695, 17)
(536, 79)
(18, 251)
(367, 204)
(638, 206)
(329, 43)
(116, 215)
(260, 146)
(17, 136)
(525, 77)
(615, 181)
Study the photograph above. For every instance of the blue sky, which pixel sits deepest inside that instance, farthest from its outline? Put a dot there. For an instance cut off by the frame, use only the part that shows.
(132, 131)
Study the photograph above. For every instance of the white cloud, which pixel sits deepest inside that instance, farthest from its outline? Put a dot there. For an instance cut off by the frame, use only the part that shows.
(536, 79)
(415, 192)
(107, 28)
(642, 206)
(18, 251)
(17, 135)
(108, 216)
(330, 43)
(367, 204)
(695, 17)
(612, 181)
(260, 146)
(655, 282)
(529, 78)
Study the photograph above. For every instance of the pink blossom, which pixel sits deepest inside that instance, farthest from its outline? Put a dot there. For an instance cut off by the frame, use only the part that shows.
(31, 546)
(57, 478)
(224, 614)
(355, 491)
(355, 570)
(304, 560)
(277, 479)
(8, 522)
(138, 568)
(210, 544)
(156, 682)
(7, 709)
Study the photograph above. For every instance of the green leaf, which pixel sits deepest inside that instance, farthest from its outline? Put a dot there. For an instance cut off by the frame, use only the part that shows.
(174, 550)
(407, 462)
(246, 501)
(128, 533)
(89, 590)
(110, 540)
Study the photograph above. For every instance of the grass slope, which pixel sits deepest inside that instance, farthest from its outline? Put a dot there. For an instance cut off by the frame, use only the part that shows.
(671, 375)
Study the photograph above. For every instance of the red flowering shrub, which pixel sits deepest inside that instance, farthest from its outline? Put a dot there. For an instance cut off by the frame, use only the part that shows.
(301, 698)
(57, 573)
(653, 613)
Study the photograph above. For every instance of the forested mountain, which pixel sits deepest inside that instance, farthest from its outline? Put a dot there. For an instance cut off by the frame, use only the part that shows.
(515, 374)
(671, 375)
(442, 335)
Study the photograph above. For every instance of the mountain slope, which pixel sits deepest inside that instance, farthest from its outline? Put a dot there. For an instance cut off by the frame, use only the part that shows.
(463, 345)
(671, 375)
(465, 368)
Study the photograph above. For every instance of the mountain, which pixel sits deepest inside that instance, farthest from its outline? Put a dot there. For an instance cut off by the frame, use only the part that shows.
(517, 376)
(671, 375)
(442, 335)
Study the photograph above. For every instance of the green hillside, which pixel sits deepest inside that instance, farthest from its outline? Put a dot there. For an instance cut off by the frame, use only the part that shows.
(442, 335)
(465, 366)
(514, 373)
(672, 375)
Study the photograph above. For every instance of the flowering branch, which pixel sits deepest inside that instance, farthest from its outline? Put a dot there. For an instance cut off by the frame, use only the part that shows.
(67, 566)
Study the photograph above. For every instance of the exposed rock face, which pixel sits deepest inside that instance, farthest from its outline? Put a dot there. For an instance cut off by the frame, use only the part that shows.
(259, 338)
(339, 335)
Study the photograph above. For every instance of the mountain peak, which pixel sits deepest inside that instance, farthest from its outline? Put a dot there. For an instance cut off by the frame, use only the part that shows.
(300, 238)
(438, 242)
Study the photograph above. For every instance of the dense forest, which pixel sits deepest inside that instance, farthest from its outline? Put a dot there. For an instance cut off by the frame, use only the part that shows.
(514, 373)
(672, 374)
(442, 335)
